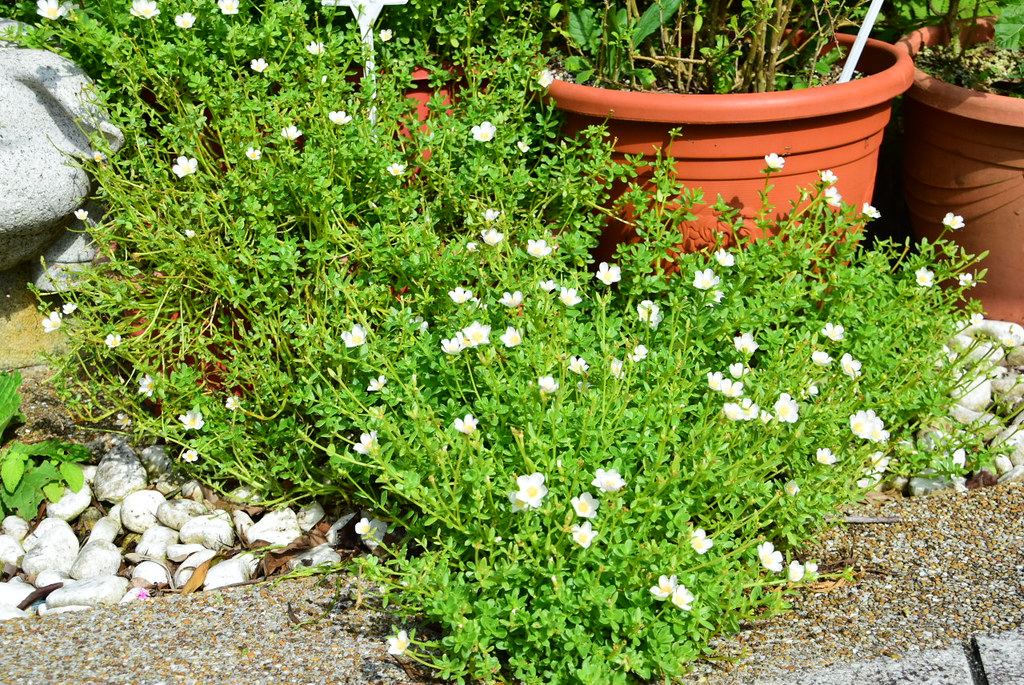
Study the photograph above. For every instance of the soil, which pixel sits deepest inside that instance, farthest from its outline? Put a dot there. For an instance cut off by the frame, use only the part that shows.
(984, 68)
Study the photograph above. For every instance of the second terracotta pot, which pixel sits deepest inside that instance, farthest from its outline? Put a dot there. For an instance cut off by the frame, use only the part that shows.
(726, 137)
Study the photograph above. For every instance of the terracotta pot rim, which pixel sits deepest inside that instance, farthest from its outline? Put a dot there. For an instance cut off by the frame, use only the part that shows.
(990, 107)
(738, 108)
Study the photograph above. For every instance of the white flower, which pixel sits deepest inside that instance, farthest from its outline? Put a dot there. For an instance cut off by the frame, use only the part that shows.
(738, 370)
(228, 6)
(185, 21)
(491, 215)
(466, 425)
(367, 443)
(51, 322)
(639, 353)
(185, 166)
(770, 559)
(832, 197)
(492, 237)
(811, 568)
(511, 299)
(569, 297)
(452, 346)
(396, 169)
(796, 571)
(953, 221)
(545, 78)
(144, 9)
(828, 177)
(471, 247)
(385, 35)
(113, 340)
(868, 426)
(538, 248)
(665, 587)
(192, 419)
(460, 295)
(725, 258)
(259, 65)
(774, 161)
(705, 280)
(355, 337)
(189, 233)
(824, 456)
(585, 505)
(608, 480)
(53, 9)
(608, 273)
(700, 541)
(578, 365)
(484, 132)
(682, 598)
(966, 280)
(548, 285)
(476, 334)
(548, 385)
(531, 490)
(584, 534)
(147, 385)
(733, 412)
(315, 48)
(745, 343)
(81, 214)
(523, 146)
(925, 277)
(649, 312)
(377, 384)
(786, 409)
(730, 388)
(870, 212)
(716, 298)
(821, 358)
(811, 390)
(69, 308)
(833, 332)
(291, 132)
(232, 403)
(715, 380)
(339, 117)
(254, 154)
(398, 644)
(851, 367)
(615, 367)
(123, 422)
(190, 456)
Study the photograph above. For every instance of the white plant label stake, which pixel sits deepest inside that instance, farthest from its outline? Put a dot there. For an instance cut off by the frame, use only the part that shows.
(366, 13)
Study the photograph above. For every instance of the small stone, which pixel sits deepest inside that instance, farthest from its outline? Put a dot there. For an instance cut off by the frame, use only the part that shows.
(99, 558)
(89, 473)
(213, 531)
(244, 495)
(1003, 465)
(334, 531)
(52, 545)
(106, 529)
(1013, 439)
(71, 504)
(9, 612)
(181, 552)
(155, 460)
(51, 576)
(88, 518)
(1015, 357)
(134, 595)
(309, 516)
(14, 591)
(176, 513)
(119, 474)
(155, 541)
(11, 551)
(920, 486)
(170, 482)
(16, 527)
(188, 567)
(275, 528)
(321, 554)
(138, 510)
(1009, 387)
(71, 608)
(89, 592)
(974, 394)
(192, 490)
(152, 572)
(998, 330)
(986, 424)
(230, 572)
(1014, 475)
(243, 522)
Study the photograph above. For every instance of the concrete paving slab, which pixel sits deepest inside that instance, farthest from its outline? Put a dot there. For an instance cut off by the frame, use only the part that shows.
(1002, 657)
(932, 667)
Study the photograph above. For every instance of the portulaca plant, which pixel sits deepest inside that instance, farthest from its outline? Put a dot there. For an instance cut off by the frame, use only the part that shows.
(585, 471)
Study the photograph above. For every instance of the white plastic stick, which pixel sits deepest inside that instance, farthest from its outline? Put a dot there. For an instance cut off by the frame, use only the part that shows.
(862, 38)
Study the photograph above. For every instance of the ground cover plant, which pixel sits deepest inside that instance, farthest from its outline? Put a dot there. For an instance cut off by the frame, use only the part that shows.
(585, 471)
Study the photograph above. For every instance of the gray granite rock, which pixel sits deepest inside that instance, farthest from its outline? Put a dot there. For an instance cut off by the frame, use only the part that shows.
(1002, 657)
(176, 513)
(47, 114)
(920, 486)
(52, 545)
(89, 592)
(930, 667)
(99, 558)
(119, 474)
(138, 510)
(71, 504)
(275, 528)
(155, 460)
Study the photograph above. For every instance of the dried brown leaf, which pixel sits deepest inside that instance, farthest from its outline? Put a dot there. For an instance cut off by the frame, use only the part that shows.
(198, 577)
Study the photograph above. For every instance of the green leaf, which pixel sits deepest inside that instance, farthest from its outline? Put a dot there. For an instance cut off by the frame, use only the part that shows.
(12, 468)
(24, 501)
(655, 16)
(583, 28)
(53, 491)
(10, 400)
(73, 475)
(1010, 28)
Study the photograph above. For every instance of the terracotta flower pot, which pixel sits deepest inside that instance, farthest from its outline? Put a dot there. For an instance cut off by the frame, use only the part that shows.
(726, 137)
(964, 153)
